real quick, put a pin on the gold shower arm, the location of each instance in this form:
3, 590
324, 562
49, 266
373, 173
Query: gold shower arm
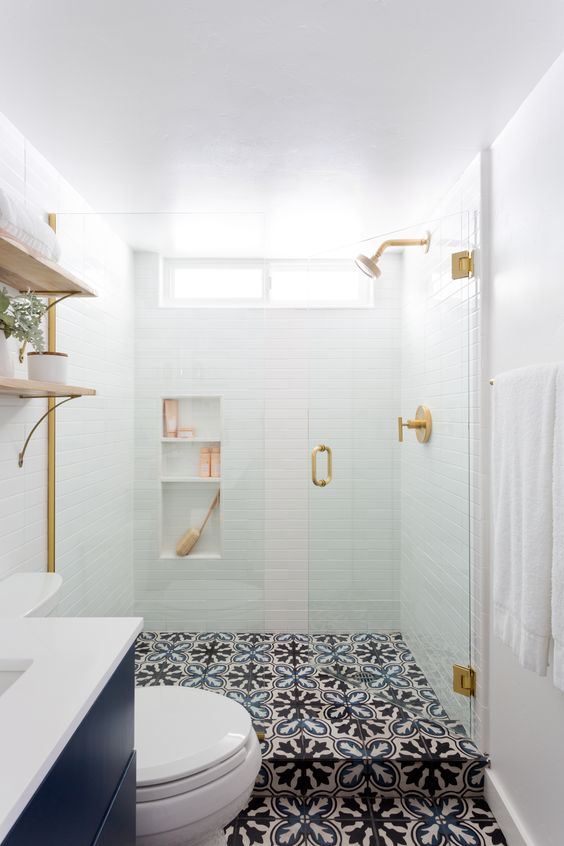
400, 242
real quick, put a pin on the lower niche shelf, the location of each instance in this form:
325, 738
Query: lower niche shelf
170, 555
184, 506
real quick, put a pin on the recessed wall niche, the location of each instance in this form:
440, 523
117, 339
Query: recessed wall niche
190, 473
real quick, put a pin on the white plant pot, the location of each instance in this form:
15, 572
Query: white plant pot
47, 367
6, 360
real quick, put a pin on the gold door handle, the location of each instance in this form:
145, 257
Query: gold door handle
423, 424
321, 483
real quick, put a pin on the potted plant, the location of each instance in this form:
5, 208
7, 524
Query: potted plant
20, 318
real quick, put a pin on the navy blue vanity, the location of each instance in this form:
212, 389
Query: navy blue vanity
88, 796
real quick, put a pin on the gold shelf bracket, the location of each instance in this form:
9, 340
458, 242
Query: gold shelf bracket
51, 408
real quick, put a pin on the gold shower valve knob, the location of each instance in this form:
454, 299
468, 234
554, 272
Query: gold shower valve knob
423, 425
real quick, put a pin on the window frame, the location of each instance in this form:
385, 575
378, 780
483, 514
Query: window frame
365, 298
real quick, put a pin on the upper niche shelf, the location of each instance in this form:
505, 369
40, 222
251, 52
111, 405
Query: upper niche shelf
29, 388
22, 270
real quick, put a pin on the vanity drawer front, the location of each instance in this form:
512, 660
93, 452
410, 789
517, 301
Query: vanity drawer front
118, 828
73, 799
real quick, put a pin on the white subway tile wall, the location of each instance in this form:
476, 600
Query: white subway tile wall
94, 434
293, 555
440, 480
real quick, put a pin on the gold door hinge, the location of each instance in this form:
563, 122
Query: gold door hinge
463, 680
462, 264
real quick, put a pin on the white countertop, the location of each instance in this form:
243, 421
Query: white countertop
72, 659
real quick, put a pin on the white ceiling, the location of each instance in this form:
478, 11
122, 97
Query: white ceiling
327, 120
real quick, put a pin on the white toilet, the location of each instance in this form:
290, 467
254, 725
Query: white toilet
197, 753
197, 760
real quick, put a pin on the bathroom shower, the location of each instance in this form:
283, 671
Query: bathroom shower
370, 265
334, 563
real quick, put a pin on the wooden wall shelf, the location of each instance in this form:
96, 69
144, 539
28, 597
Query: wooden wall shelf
22, 270
29, 388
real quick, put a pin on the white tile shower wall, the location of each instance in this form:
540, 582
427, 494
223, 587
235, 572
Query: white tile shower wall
95, 434
289, 378
440, 518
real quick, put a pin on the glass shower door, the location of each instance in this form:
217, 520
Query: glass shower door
354, 519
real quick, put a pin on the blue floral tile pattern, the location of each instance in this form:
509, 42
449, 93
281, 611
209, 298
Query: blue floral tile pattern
387, 676
352, 703
323, 820
210, 676
291, 675
249, 651
166, 650
333, 653
256, 703
345, 716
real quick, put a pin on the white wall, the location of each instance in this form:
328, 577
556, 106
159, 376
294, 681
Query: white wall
527, 326
439, 480
94, 435
289, 378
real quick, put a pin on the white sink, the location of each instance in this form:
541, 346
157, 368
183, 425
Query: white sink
28, 595
11, 671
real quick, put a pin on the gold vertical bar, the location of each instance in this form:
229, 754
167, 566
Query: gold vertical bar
51, 431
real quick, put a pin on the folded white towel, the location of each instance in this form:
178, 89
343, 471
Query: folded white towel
558, 535
18, 223
523, 435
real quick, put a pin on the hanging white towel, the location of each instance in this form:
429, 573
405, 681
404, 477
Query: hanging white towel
558, 535
523, 436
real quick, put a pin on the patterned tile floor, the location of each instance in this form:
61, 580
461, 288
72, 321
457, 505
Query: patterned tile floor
373, 760
320, 820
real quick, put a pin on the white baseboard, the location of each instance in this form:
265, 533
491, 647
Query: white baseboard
505, 813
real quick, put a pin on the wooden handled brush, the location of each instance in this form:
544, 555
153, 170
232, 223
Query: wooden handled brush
192, 536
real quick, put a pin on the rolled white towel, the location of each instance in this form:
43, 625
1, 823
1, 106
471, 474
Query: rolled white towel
21, 225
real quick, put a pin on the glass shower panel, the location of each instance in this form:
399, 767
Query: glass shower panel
440, 359
389, 556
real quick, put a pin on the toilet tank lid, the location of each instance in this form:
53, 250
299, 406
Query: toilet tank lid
180, 731
28, 594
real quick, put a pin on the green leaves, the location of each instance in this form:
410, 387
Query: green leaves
4, 301
21, 317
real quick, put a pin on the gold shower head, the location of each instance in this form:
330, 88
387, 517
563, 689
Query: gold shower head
370, 267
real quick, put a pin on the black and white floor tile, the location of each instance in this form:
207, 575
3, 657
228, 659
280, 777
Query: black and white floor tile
357, 749
324, 820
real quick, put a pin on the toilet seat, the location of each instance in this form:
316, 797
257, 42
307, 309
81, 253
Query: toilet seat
186, 738
198, 759
152, 792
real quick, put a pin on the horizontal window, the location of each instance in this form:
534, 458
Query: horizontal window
217, 283
284, 284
